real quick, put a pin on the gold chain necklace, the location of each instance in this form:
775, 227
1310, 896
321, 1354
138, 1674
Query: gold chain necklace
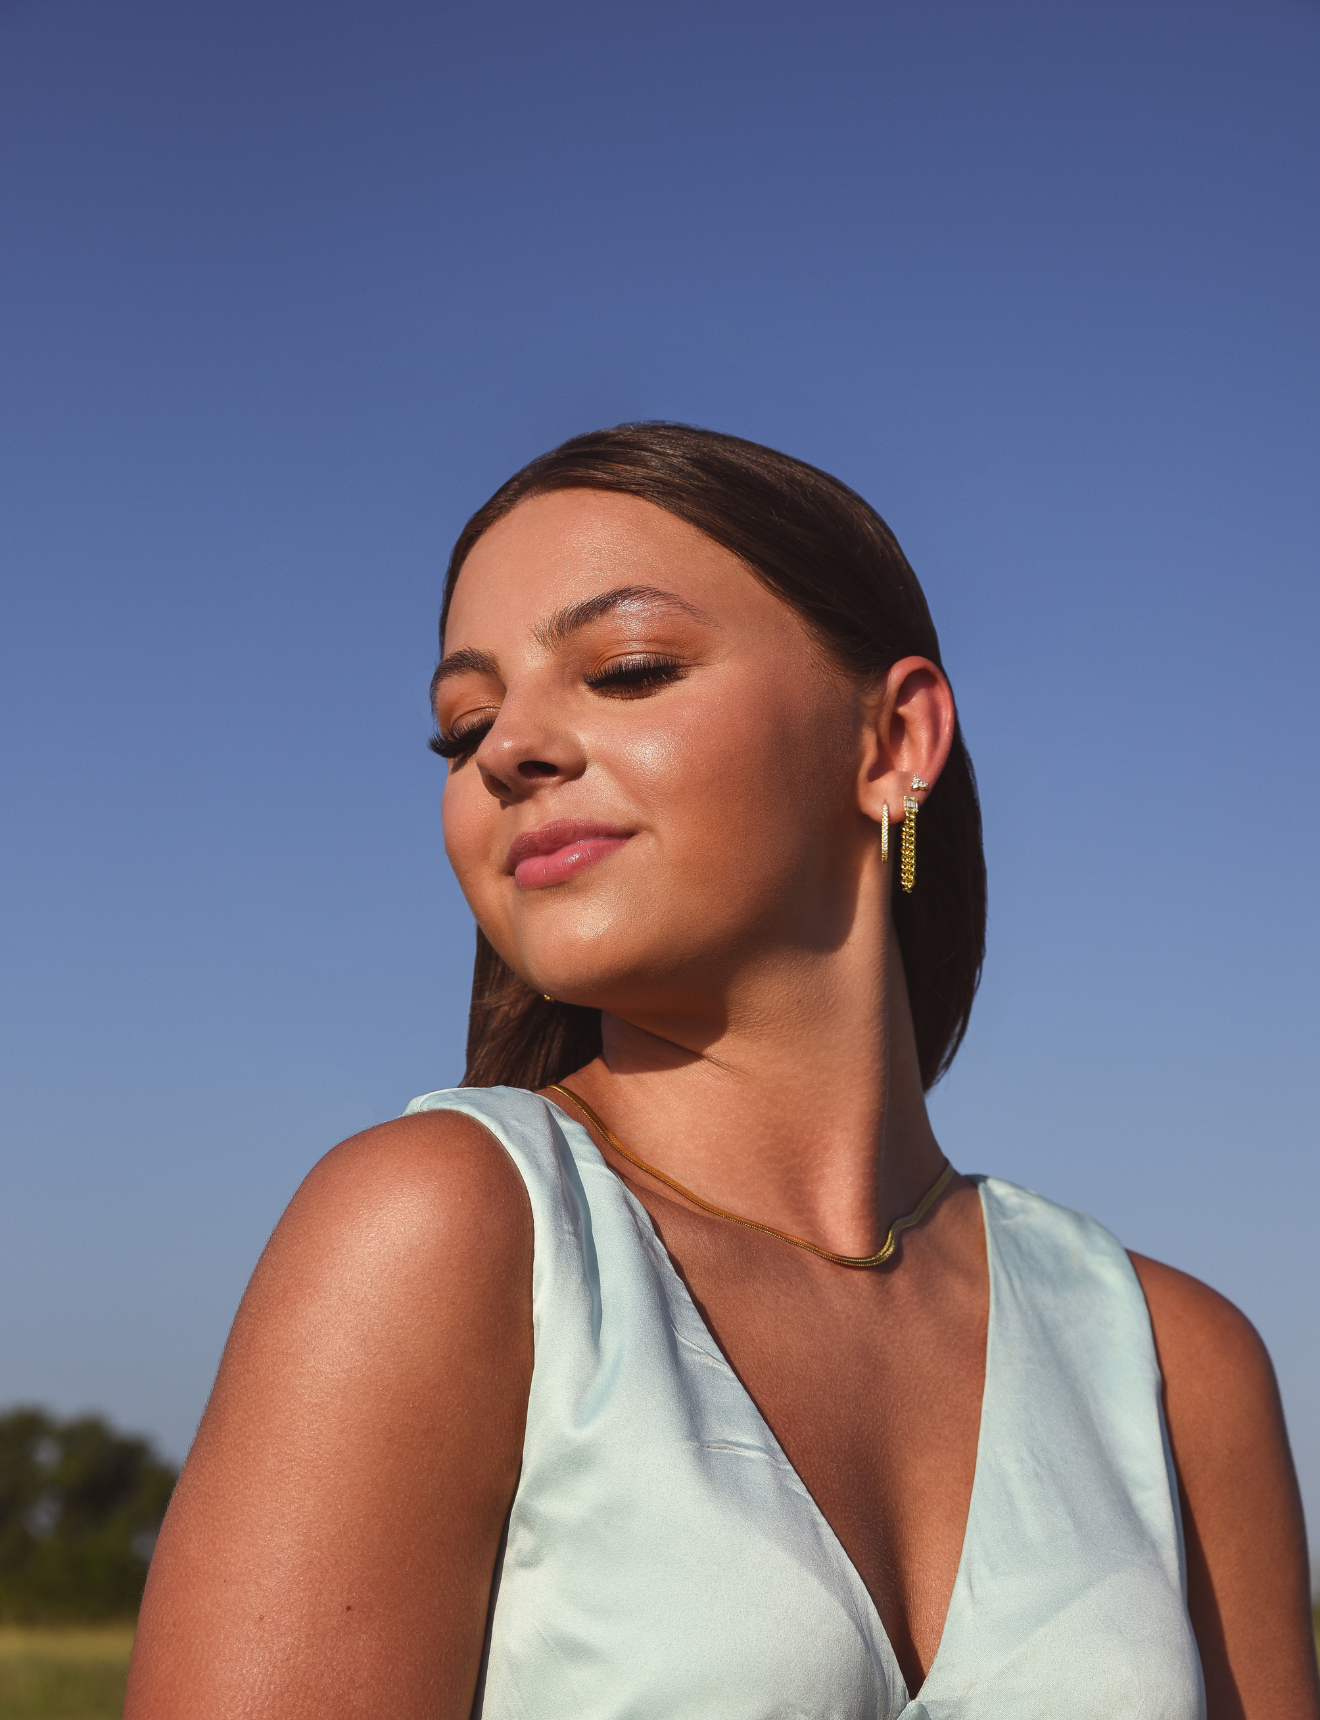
883, 1253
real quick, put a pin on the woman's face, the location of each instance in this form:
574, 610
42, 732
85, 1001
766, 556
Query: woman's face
654, 782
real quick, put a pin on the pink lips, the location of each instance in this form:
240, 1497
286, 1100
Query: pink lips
559, 850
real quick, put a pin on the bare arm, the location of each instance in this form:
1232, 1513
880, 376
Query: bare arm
330, 1546
1248, 1589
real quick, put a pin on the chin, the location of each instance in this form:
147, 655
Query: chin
600, 973
598, 958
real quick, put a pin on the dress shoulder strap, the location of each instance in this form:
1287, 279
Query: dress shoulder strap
521, 1121
529, 1128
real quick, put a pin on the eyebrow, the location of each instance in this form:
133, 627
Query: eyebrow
464, 662
556, 629
567, 621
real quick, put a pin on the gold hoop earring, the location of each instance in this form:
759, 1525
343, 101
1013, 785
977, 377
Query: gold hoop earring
546, 995
908, 856
884, 834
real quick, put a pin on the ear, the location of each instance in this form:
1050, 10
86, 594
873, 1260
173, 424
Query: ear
909, 718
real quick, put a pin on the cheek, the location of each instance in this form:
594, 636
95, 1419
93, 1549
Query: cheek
465, 820
764, 758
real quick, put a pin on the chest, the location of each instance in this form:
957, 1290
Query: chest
665, 1557
872, 1383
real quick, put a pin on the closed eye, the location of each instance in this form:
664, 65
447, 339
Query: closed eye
461, 746
635, 677
624, 678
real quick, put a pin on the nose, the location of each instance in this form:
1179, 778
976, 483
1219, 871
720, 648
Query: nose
526, 752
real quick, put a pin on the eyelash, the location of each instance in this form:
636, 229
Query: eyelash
635, 676
629, 678
463, 744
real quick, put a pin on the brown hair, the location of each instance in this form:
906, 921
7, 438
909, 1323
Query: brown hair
818, 546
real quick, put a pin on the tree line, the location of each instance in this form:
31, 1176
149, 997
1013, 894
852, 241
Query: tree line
80, 1507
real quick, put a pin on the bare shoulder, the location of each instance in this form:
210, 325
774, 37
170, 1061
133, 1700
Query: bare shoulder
1207, 1347
401, 1266
1247, 1578
443, 1152
436, 1181
1220, 1396
330, 1545
421, 1219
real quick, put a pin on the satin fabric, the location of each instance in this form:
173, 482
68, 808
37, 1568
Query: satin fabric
662, 1557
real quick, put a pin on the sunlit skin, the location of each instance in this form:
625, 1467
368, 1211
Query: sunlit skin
746, 918
613, 678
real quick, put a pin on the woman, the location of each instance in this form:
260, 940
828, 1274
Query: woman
666, 1368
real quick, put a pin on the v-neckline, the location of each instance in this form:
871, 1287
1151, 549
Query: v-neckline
982, 1460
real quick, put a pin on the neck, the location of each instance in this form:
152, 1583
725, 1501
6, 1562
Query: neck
802, 1108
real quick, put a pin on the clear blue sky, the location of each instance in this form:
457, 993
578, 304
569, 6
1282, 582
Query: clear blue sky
288, 288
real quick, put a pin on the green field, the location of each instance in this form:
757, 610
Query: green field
74, 1673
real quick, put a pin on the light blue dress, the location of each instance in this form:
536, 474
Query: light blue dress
663, 1561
